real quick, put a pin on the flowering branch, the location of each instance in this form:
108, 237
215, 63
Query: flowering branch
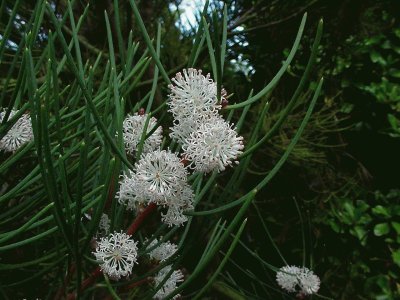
130, 231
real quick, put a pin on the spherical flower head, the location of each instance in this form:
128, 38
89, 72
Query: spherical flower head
303, 280
309, 282
133, 128
19, 134
116, 254
170, 285
163, 251
213, 146
158, 176
177, 205
193, 94
287, 278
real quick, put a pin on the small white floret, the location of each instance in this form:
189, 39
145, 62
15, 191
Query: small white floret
159, 177
170, 285
296, 279
309, 282
163, 251
213, 146
116, 254
18, 135
193, 94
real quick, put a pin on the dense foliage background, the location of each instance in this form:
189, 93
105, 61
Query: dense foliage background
337, 199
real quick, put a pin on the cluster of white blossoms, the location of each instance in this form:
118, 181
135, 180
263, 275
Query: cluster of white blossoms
116, 254
161, 253
159, 177
296, 279
170, 285
213, 145
133, 128
19, 134
193, 96
208, 141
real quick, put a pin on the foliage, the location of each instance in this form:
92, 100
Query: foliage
370, 225
56, 188
371, 65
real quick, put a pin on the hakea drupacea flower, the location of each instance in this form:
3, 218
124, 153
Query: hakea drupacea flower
296, 279
209, 142
193, 94
133, 128
192, 101
116, 254
309, 282
213, 146
163, 251
18, 135
159, 177
170, 285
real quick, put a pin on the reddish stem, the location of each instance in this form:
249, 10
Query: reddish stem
140, 218
61, 290
91, 279
87, 282
131, 230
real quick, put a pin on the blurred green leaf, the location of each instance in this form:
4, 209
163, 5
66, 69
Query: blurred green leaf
381, 229
396, 257
396, 226
381, 211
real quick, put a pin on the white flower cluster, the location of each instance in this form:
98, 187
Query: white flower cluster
133, 128
170, 285
193, 96
161, 178
303, 280
161, 253
213, 145
116, 254
19, 134
208, 141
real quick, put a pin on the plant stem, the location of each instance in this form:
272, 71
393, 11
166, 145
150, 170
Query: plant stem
140, 218
131, 230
